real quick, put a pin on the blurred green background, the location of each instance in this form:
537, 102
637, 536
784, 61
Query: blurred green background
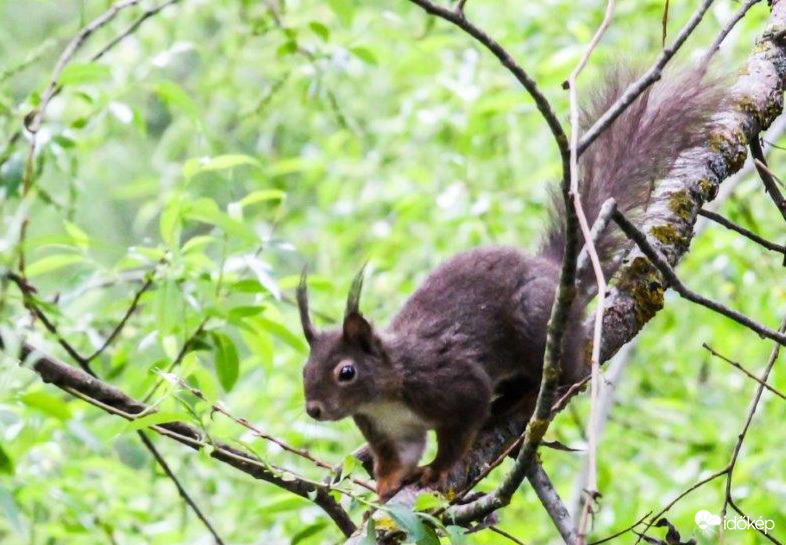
242, 145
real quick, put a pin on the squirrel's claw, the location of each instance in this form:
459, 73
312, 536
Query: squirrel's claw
430, 476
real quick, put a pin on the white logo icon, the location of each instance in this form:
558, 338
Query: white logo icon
706, 520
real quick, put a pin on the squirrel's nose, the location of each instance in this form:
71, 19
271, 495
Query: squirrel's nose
314, 409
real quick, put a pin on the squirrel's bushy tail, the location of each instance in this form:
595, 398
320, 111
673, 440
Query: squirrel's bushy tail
633, 153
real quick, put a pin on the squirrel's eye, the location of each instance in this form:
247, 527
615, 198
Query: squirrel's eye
346, 373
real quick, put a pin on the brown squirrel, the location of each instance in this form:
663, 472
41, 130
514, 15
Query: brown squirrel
469, 343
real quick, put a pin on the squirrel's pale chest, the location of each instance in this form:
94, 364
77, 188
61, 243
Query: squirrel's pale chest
401, 427
394, 419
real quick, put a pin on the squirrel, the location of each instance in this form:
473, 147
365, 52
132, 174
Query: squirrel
467, 346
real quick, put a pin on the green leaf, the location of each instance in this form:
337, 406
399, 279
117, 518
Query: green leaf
13, 514
364, 54
47, 404
430, 538
205, 382
227, 363
79, 237
169, 224
287, 48
198, 243
349, 465
320, 30
52, 263
206, 210
456, 535
84, 73
245, 311
308, 531
344, 9
426, 501
282, 332
262, 195
408, 521
176, 98
153, 419
192, 167
6, 463
12, 174
167, 304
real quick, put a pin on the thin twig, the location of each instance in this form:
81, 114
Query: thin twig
660, 262
145, 15
74, 380
767, 176
695, 486
598, 228
28, 291
33, 119
180, 489
751, 412
664, 24
28, 296
178, 359
641, 84
597, 268
123, 321
506, 535
553, 504
741, 368
621, 532
717, 218
736, 18
565, 295
222, 409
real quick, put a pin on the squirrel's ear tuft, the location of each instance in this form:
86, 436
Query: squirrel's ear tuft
357, 330
302, 304
353, 299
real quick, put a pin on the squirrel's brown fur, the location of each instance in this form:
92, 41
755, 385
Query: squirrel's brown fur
469, 342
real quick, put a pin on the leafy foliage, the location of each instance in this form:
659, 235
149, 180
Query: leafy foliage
225, 144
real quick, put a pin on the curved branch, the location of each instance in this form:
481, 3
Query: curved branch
78, 382
756, 99
458, 18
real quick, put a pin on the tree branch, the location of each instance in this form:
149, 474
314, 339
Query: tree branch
657, 259
640, 85
73, 380
717, 218
767, 177
755, 100
180, 489
739, 366
553, 504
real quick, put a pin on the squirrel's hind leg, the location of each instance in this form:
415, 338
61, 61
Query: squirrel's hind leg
453, 442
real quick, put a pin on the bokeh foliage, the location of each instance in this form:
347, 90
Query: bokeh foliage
220, 148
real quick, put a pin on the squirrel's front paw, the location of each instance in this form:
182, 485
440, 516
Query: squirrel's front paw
387, 486
435, 477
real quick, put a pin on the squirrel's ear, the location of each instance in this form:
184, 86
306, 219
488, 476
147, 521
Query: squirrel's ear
353, 298
302, 304
358, 330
